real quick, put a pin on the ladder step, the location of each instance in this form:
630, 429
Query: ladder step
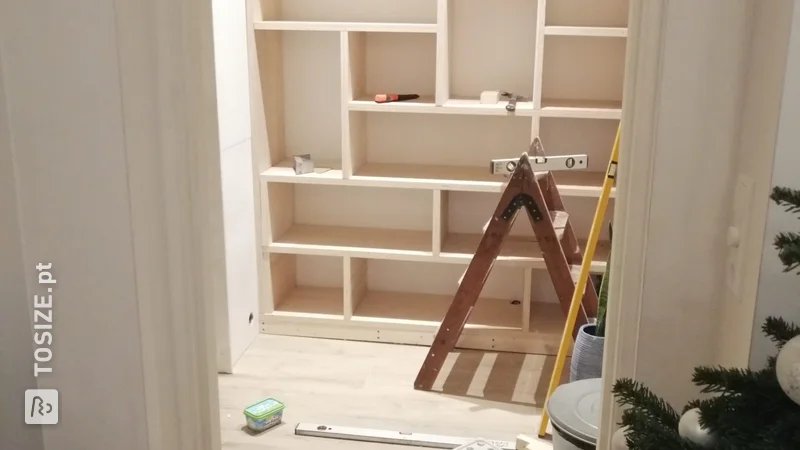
540, 175
575, 271
560, 220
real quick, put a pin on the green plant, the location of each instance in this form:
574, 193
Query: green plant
602, 298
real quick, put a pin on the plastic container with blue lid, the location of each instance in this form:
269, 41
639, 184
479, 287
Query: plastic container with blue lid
264, 415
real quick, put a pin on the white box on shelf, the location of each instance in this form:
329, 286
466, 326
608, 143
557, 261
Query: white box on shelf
490, 97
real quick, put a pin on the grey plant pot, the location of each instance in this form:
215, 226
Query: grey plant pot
587, 356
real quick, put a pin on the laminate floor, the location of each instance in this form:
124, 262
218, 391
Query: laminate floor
369, 385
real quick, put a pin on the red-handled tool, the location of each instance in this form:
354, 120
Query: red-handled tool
388, 98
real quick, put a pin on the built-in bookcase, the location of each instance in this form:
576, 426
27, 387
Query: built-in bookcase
372, 244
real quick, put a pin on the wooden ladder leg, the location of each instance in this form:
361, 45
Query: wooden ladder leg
572, 249
471, 285
550, 243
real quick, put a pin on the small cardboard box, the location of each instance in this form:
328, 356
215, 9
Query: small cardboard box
303, 164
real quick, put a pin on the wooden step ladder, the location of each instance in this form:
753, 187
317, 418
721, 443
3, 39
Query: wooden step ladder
536, 193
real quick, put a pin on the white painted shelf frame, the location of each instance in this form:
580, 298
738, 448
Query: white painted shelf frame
371, 245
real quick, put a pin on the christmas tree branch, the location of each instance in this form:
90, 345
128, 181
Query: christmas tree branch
789, 198
788, 246
724, 380
632, 393
788, 243
779, 331
696, 403
647, 433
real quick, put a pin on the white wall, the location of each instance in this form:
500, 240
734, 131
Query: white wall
15, 320
689, 73
62, 80
763, 88
109, 171
705, 48
779, 292
234, 329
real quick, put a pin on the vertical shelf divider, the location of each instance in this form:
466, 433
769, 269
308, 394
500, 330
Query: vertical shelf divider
355, 284
353, 74
538, 69
346, 96
440, 216
527, 286
442, 52
261, 157
266, 299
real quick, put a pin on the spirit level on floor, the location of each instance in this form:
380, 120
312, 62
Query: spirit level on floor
390, 437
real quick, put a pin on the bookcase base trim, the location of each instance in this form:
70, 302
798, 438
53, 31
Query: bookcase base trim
515, 341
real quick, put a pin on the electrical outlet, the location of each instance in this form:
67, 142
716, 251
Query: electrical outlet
738, 230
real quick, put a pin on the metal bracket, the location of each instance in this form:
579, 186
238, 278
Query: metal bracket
506, 166
520, 201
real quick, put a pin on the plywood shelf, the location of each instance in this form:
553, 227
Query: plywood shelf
613, 32
306, 286
288, 25
418, 176
359, 11
428, 310
405, 245
581, 109
521, 251
312, 302
371, 244
353, 241
376, 304
425, 104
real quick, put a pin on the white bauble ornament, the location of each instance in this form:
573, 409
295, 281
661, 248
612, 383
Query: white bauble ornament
618, 441
689, 428
787, 368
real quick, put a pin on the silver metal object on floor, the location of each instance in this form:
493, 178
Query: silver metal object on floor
394, 437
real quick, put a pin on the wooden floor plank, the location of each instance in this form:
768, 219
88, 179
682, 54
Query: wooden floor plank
364, 384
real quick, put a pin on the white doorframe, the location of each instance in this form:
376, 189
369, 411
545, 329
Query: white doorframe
166, 48
632, 202
687, 65
182, 354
